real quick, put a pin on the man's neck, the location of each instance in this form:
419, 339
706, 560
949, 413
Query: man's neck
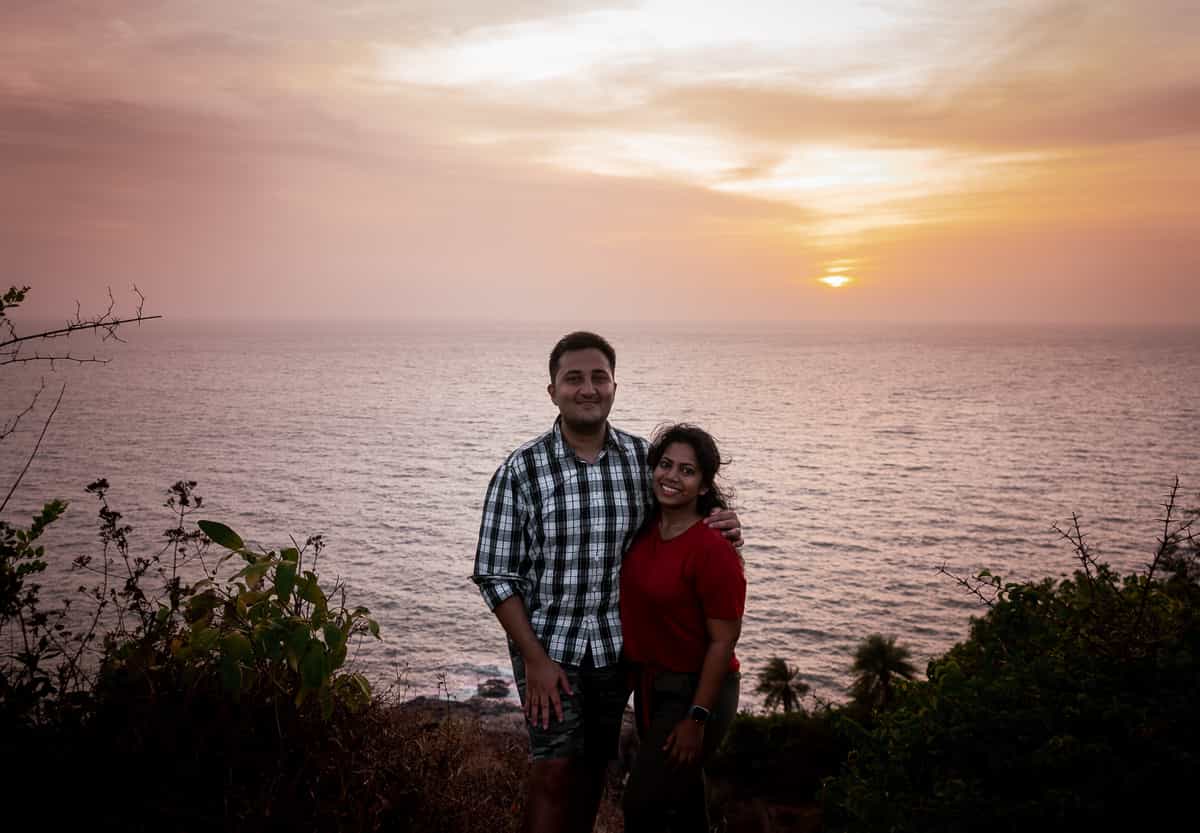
587, 443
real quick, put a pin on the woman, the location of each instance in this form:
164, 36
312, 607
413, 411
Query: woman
683, 593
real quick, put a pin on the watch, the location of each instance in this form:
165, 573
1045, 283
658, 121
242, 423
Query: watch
699, 714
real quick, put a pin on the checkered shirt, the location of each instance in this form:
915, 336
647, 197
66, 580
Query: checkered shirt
553, 532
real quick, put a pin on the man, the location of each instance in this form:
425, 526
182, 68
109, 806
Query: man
558, 515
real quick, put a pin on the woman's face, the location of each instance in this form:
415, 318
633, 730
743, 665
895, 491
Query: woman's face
678, 480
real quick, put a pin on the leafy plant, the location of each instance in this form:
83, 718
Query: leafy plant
31, 638
272, 624
878, 663
781, 685
1070, 705
782, 756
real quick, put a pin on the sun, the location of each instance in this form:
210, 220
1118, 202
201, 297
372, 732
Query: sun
836, 281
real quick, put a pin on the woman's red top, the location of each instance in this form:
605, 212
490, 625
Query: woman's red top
668, 589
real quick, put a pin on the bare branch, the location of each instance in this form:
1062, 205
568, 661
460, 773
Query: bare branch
36, 446
106, 324
1091, 566
37, 357
973, 589
1165, 545
79, 325
11, 425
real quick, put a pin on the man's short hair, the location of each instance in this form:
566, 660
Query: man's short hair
581, 340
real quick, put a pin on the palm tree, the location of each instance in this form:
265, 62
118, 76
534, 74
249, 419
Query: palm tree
781, 684
877, 663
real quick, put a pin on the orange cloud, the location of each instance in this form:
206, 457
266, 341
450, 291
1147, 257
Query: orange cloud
235, 161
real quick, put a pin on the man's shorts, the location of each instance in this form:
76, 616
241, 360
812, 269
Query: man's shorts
591, 724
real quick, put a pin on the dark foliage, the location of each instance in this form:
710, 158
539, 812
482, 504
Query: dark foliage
1072, 705
783, 756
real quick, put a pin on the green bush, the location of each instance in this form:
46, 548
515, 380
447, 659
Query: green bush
1071, 703
781, 756
224, 700
269, 629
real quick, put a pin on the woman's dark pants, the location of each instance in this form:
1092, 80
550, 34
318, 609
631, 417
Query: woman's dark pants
661, 795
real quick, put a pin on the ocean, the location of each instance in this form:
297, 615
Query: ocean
863, 458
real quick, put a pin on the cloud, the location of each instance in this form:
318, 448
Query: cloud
213, 216
239, 159
1005, 118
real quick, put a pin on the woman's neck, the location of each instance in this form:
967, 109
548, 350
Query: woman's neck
675, 520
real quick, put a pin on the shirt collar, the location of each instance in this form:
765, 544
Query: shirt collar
562, 449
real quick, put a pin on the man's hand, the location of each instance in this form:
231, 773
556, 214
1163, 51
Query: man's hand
726, 521
543, 678
685, 743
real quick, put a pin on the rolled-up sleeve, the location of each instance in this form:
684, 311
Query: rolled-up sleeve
501, 549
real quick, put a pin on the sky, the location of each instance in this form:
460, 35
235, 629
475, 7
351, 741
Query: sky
891, 160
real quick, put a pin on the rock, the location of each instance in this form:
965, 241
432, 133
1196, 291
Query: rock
495, 687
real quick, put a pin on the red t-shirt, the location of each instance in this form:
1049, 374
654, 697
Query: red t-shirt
668, 589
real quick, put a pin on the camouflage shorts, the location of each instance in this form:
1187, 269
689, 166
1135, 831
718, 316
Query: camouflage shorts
591, 724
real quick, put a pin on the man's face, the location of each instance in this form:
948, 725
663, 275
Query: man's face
583, 389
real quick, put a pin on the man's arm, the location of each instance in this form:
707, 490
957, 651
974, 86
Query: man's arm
501, 575
543, 676
726, 522
501, 547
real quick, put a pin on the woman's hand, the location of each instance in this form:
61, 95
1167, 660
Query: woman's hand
685, 743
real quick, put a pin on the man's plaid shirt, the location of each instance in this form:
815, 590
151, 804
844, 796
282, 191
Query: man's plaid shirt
553, 532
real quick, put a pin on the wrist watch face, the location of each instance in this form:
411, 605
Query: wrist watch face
698, 714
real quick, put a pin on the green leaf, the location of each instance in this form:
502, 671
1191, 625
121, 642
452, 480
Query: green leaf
236, 646
289, 554
310, 591
250, 598
297, 638
221, 535
200, 607
335, 637
285, 579
255, 572
314, 668
204, 639
374, 627
337, 656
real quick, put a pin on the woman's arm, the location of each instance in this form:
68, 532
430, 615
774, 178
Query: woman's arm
686, 741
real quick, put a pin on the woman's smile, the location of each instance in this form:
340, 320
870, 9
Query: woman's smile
677, 478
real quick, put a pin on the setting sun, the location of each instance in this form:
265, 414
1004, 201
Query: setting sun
836, 281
